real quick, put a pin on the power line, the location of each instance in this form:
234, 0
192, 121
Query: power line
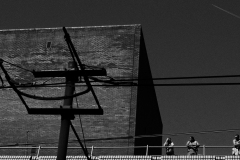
115, 82
129, 82
166, 134
141, 136
79, 141
115, 85
17, 66
175, 78
81, 123
136, 79
226, 11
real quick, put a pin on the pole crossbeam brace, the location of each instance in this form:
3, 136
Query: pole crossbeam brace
67, 111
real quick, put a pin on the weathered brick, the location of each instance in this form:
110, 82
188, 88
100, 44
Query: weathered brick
116, 48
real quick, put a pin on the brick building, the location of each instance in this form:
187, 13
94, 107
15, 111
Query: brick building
129, 111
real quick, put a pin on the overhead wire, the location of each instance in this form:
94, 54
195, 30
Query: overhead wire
20, 93
83, 148
166, 134
176, 78
141, 136
105, 85
28, 71
116, 82
81, 124
119, 80
167, 78
17, 66
129, 83
226, 11
47, 98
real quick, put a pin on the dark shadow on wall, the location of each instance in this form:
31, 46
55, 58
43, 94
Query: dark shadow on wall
148, 118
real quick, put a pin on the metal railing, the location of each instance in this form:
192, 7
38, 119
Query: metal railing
92, 148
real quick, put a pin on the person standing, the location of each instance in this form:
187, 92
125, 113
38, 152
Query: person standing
192, 146
236, 144
169, 146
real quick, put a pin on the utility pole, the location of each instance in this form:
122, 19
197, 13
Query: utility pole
65, 120
67, 112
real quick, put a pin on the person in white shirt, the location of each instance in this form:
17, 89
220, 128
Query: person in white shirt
192, 146
236, 144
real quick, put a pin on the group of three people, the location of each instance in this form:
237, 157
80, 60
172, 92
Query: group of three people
193, 145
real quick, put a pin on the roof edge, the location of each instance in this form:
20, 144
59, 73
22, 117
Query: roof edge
106, 26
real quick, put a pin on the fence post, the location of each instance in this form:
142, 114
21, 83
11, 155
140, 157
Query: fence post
147, 150
38, 151
204, 152
92, 151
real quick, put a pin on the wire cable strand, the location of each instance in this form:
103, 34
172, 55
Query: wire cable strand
166, 134
176, 78
84, 149
17, 66
20, 93
226, 11
81, 124
136, 79
114, 85
140, 136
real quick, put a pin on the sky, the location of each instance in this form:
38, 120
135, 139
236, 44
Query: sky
183, 38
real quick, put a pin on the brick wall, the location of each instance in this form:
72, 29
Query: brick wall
116, 48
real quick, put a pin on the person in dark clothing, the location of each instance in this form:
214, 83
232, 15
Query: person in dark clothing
169, 146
